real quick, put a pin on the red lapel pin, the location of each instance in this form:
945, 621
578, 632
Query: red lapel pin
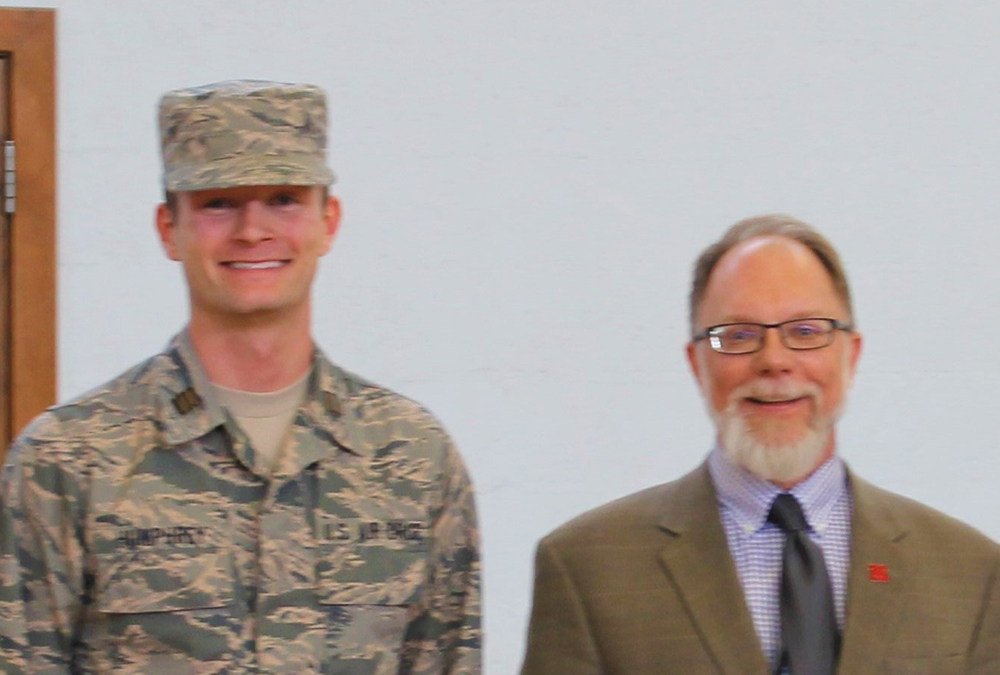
878, 573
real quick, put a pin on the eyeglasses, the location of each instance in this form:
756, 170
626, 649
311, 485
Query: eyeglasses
746, 338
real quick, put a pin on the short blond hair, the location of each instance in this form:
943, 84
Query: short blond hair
775, 225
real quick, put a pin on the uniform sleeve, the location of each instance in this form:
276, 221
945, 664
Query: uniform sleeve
445, 638
559, 638
41, 579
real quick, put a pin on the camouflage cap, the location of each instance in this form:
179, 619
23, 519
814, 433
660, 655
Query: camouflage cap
244, 132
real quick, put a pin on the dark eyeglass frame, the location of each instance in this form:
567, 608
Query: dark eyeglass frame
712, 333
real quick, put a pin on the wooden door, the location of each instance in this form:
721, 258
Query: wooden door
27, 234
5, 432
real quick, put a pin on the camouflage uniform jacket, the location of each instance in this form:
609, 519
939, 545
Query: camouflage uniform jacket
139, 535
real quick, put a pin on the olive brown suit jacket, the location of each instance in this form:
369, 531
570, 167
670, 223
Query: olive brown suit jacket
646, 585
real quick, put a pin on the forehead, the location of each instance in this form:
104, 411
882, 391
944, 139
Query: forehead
250, 191
769, 279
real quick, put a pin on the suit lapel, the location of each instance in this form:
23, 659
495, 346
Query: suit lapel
873, 603
699, 565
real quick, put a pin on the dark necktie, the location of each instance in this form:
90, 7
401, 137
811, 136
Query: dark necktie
809, 633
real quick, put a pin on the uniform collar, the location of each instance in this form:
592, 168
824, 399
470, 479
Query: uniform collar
189, 408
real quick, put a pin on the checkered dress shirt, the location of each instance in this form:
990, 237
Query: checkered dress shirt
756, 545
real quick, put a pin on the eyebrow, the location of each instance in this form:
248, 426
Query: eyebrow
743, 318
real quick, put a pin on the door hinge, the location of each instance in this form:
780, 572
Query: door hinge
9, 177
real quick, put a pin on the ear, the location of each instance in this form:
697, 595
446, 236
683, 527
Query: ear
854, 351
692, 358
166, 228
331, 218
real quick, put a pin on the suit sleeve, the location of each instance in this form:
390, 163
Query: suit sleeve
445, 637
41, 579
984, 656
560, 641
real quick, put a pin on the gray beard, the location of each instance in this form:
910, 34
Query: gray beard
771, 459
774, 462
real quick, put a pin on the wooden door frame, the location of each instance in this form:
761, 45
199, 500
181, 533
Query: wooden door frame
28, 36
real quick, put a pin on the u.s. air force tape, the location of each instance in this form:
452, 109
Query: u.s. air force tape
361, 530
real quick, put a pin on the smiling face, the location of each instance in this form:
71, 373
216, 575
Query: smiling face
774, 409
249, 252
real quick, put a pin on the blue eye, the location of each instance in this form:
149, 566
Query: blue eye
811, 333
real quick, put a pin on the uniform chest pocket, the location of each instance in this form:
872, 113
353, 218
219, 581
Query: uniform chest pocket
162, 569
164, 595
369, 574
371, 562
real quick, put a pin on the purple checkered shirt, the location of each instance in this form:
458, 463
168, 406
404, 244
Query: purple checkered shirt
756, 545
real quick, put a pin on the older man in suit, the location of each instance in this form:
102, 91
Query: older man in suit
771, 557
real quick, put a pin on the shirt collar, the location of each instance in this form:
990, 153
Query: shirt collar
749, 498
334, 409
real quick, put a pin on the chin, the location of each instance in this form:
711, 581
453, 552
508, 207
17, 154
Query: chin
260, 303
770, 455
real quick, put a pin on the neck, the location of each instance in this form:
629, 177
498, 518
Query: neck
251, 355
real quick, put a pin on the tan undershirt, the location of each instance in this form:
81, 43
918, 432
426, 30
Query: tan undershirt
265, 417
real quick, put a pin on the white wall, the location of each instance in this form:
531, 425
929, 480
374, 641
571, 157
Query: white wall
526, 186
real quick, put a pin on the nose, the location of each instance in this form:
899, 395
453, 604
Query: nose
773, 358
252, 222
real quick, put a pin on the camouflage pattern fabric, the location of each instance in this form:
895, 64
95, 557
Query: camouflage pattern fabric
140, 534
243, 132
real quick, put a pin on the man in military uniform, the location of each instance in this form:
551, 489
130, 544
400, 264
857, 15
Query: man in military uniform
238, 503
